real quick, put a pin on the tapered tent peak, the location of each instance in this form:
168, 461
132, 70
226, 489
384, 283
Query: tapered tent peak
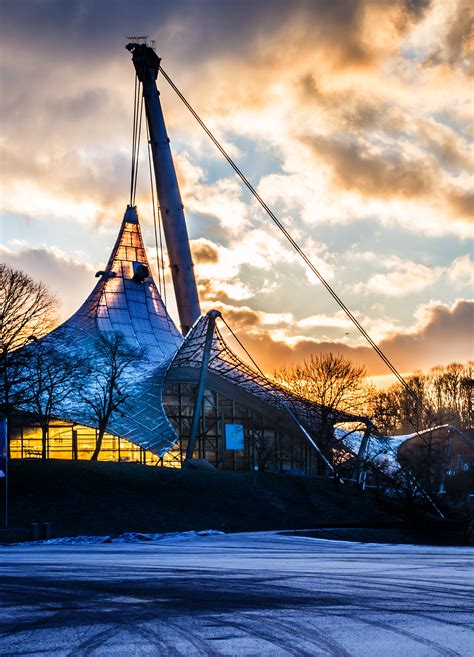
126, 299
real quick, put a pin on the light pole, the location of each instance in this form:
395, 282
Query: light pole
4, 433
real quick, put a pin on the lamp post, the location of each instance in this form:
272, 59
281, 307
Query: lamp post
4, 433
4, 461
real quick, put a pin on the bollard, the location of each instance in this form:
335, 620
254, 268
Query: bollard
47, 530
34, 531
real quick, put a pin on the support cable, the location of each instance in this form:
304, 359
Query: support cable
137, 149
137, 122
134, 131
307, 261
162, 258
242, 347
152, 186
291, 240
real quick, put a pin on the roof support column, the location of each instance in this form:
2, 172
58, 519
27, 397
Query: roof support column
360, 473
211, 323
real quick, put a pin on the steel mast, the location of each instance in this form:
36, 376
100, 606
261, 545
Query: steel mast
147, 64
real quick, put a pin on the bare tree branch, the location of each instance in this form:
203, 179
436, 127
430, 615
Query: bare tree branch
107, 392
27, 311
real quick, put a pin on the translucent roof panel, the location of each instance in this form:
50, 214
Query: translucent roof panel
225, 363
123, 303
120, 300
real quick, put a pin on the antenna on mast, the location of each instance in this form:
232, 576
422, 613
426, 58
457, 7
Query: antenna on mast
143, 39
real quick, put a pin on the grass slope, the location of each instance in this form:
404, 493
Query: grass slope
83, 497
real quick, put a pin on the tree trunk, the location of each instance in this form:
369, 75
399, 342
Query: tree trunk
74, 444
98, 444
44, 442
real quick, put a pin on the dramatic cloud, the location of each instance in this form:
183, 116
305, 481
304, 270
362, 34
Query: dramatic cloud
384, 173
378, 174
353, 119
456, 46
204, 251
404, 278
71, 281
442, 335
462, 203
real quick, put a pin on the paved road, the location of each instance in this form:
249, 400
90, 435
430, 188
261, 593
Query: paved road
242, 594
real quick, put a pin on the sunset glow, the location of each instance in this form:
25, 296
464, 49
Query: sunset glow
353, 119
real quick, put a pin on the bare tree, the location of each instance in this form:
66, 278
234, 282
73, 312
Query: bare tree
53, 375
451, 392
443, 396
427, 457
265, 448
385, 411
27, 310
332, 381
110, 365
467, 385
415, 411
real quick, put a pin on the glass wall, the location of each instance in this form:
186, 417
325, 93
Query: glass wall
72, 441
268, 442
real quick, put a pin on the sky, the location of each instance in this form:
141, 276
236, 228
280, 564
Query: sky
353, 119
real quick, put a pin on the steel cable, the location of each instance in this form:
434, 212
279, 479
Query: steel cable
308, 262
294, 244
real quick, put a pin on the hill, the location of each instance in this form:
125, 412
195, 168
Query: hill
84, 497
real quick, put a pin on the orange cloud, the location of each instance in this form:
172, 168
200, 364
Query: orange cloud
443, 335
204, 251
382, 174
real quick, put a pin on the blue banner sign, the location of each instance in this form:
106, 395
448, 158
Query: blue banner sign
234, 436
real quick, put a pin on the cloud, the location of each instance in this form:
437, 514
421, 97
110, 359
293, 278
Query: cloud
356, 165
383, 174
456, 46
386, 148
405, 278
442, 335
204, 251
87, 116
339, 320
461, 272
69, 279
462, 203
220, 201
450, 148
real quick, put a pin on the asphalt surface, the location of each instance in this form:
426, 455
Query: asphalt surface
242, 594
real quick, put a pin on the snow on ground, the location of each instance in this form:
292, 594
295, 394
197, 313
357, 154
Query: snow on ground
128, 537
259, 594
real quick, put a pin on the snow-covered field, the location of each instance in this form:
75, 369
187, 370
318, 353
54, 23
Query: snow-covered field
242, 594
